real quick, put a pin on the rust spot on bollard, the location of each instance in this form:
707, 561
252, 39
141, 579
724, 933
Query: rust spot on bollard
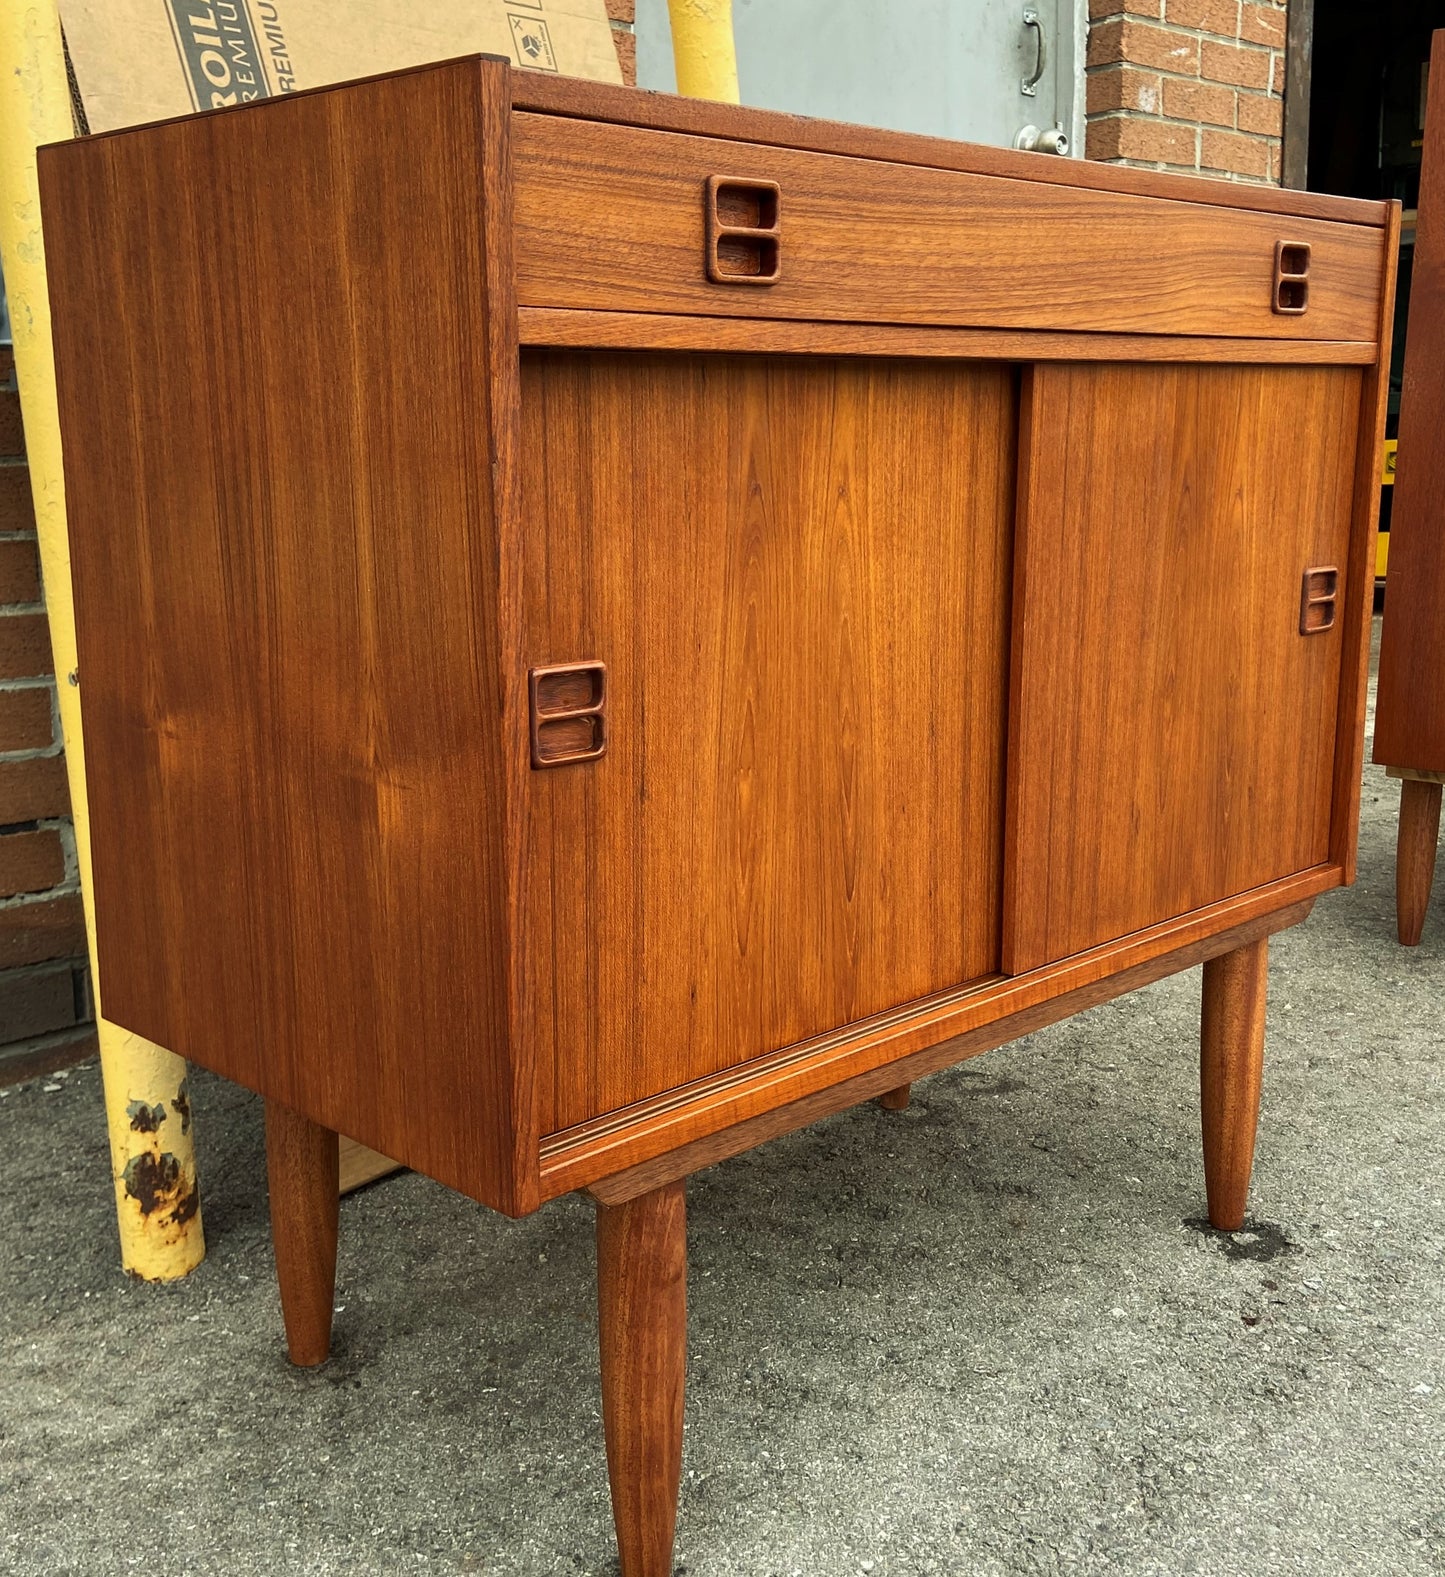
144, 1118
182, 1105
186, 1207
150, 1179
156, 1185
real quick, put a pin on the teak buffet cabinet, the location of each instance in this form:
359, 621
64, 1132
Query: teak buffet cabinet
612, 627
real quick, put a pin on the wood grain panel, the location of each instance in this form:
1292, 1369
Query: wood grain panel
303, 1177
612, 217
1410, 706
725, 1117
600, 101
1172, 733
1231, 1067
579, 330
1415, 850
1357, 602
797, 575
280, 441
642, 1341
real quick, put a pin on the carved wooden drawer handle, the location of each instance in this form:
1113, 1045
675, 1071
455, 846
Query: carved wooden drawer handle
744, 233
1317, 599
568, 710
1291, 278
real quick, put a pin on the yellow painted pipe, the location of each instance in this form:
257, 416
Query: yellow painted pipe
703, 49
152, 1148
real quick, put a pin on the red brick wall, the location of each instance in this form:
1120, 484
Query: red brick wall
624, 14
45, 1005
1194, 85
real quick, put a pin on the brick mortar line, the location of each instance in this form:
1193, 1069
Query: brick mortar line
1150, 117
1213, 171
48, 966
1193, 78
1165, 26
33, 753
1157, 164
52, 1037
1267, 94
1199, 37
1098, 117
1159, 118
62, 889
60, 824
13, 1050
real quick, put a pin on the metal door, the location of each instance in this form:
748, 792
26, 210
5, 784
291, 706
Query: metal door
976, 70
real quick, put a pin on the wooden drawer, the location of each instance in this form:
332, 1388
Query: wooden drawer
613, 217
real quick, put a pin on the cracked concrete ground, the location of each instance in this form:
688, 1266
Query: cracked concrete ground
984, 1336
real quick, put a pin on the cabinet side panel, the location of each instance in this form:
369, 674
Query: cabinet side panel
1360, 592
272, 338
1410, 714
1173, 731
796, 572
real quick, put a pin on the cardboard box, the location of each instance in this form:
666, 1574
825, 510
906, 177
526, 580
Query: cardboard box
143, 60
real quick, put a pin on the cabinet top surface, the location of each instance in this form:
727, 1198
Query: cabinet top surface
581, 99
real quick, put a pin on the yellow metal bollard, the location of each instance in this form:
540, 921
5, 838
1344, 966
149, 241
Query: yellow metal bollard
703, 49
152, 1147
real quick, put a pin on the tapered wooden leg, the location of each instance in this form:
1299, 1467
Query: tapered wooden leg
1415, 856
642, 1305
896, 1100
1231, 1057
302, 1168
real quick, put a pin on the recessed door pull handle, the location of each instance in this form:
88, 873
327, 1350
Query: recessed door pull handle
1030, 85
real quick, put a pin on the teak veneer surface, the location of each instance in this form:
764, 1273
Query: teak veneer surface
326, 515
649, 1164
1231, 1064
910, 1041
1415, 851
585, 329
578, 98
287, 601
597, 101
612, 216
642, 1341
945, 645
1172, 737
1410, 705
1358, 576
799, 819
303, 1177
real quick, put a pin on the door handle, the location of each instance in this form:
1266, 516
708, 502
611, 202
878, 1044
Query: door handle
1030, 85
1031, 140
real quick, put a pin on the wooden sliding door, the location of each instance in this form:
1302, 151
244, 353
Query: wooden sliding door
1175, 670
796, 573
